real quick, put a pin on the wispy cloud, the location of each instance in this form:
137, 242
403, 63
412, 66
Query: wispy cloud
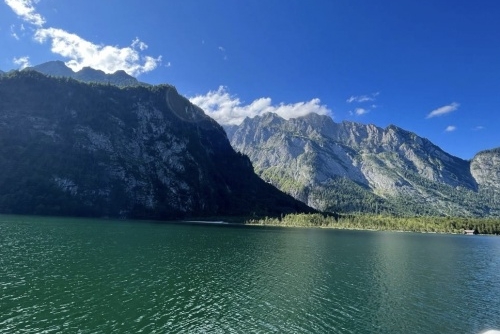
223, 50
228, 109
13, 32
22, 62
136, 43
450, 128
80, 52
478, 128
363, 98
26, 10
17, 32
443, 110
359, 111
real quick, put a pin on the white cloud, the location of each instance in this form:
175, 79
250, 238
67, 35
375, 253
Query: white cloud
23, 62
228, 109
26, 10
137, 43
363, 98
479, 128
106, 58
82, 53
13, 32
450, 128
361, 111
443, 110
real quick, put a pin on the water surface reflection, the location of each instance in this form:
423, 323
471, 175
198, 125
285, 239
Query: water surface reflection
92, 276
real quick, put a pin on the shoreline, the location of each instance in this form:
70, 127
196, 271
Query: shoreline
433, 225
362, 229
352, 229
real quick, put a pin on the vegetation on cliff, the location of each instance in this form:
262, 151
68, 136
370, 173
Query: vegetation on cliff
70, 148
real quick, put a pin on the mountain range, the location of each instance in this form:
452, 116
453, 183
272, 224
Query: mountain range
138, 150
95, 149
348, 166
87, 74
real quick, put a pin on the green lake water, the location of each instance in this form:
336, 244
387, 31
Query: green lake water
96, 276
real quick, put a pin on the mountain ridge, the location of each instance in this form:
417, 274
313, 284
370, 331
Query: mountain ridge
58, 68
89, 149
394, 170
341, 167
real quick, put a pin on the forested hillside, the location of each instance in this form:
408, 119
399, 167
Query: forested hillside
72, 148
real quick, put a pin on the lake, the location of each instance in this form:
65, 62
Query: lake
97, 276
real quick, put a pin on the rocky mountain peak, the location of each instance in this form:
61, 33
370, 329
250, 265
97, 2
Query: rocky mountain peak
87, 74
268, 119
313, 124
55, 68
485, 167
309, 156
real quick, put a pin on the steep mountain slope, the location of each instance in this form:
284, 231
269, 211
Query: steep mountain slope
355, 167
485, 167
86, 74
72, 148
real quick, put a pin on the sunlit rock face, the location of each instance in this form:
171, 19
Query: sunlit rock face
351, 166
73, 148
485, 167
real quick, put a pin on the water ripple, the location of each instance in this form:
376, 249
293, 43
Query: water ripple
113, 277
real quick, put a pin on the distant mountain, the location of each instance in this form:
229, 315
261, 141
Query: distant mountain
86, 74
350, 167
230, 130
54, 68
71, 148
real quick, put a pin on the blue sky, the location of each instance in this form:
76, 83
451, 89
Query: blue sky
429, 66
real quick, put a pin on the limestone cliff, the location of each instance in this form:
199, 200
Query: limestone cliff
485, 167
361, 167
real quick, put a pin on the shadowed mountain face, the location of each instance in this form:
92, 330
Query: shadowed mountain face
71, 148
356, 167
87, 74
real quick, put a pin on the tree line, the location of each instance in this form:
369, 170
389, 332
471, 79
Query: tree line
385, 223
